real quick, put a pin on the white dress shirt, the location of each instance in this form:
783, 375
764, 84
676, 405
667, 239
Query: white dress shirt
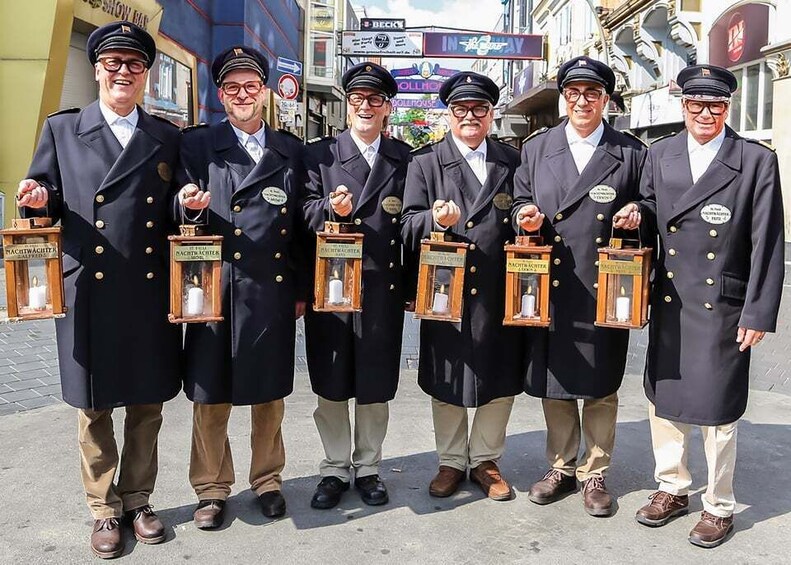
253, 143
368, 151
476, 158
123, 127
582, 148
701, 156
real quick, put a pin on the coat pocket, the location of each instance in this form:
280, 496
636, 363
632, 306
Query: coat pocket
733, 287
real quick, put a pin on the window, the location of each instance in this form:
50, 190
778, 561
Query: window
168, 92
322, 47
564, 25
751, 104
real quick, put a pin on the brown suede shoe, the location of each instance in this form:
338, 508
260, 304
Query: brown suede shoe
106, 539
662, 508
209, 514
446, 481
487, 476
552, 487
711, 531
596, 499
146, 524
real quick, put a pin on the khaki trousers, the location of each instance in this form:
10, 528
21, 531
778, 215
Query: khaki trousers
334, 425
563, 435
211, 463
671, 447
99, 459
460, 449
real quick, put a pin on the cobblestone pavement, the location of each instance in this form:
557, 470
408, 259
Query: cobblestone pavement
29, 376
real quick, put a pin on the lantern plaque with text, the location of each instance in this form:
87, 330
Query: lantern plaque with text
195, 276
34, 269
623, 285
527, 282
339, 267
440, 281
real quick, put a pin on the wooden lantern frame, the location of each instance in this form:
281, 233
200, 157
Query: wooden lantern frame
338, 240
519, 262
623, 258
193, 244
16, 257
439, 251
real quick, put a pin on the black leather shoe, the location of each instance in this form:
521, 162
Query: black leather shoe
273, 505
372, 490
328, 493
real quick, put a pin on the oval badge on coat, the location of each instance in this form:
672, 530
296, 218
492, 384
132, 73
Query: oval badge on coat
716, 214
274, 195
392, 205
503, 200
602, 193
164, 171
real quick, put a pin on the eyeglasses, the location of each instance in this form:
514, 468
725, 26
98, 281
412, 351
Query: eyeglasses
591, 95
374, 100
715, 108
479, 111
252, 87
113, 65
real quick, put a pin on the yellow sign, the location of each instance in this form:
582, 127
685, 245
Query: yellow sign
322, 19
442, 259
31, 251
539, 266
629, 268
341, 250
198, 253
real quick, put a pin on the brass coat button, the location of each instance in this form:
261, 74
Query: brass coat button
99, 275
600, 217
150, 199
671, 252
470, 224
393, 220
100, 198
556, 283
237, 255
670, 274
391, 265
474, 291
673, 229
599, 240
278, 255
472, 247
595, 285
558, 239
505, 220
710, 282
392, 242
279, 278
237, 231
556, 261
710, 256
149, 224
713, 233
392, 287
284, 231
558, 216
237, 208
473, 269
99, 249
284, 210
149, 250
708, 306
149, 275
99, 224
357, 221
668, 299
596, 263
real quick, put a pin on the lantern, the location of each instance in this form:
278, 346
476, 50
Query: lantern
440, 280
622, 298
195, 276
339, 266
34, 269
527, 282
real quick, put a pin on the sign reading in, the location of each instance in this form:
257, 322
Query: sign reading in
371, 24
382, 44
483, 45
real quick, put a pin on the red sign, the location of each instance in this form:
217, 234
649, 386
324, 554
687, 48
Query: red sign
735, 37
288, 87
739, 34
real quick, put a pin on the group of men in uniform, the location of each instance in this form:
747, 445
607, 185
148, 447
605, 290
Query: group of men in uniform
119, 180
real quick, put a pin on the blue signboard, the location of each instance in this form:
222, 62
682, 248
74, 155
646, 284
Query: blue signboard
483, 45
289, 66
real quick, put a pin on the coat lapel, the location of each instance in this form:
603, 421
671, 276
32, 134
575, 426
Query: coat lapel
226, 144
353, 162
605, 159
497, 173
95, 133
458, 172
273, 160
145, 142
384, 168
561, 164
676, 174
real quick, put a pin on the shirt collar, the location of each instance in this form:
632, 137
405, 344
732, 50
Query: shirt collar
362, 146
466, 151
243, 136
111, 117
713, 145
593, 139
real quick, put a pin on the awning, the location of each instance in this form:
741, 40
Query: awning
537, 99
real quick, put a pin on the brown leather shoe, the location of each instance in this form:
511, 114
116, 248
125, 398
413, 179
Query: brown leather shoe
662, 508
209, 514
106, 539
146, 524
711, 531
552, 487
446, 481
487, 476
596, 499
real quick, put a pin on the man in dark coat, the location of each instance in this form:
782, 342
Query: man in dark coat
358, 177
105, 173
246, 181
463, 185
577, 175
715, 202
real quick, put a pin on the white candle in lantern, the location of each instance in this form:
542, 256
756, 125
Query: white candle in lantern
440, 304
623, 307
336, 289
528, 304
37, 296
195, 299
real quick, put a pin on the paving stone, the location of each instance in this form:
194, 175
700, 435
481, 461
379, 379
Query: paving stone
24, 367
49, 390
10, 408
19, 395
39, 402
24, 385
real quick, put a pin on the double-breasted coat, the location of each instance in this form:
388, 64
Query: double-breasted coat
573, 358
719, 267
248, 358
358, 355
115, 344
477, 360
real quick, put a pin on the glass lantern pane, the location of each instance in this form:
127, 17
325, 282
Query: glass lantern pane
339, 282
32, 287
620, 290
442, 283
196, 293
526, 297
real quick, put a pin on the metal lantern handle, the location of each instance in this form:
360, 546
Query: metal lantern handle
639, 235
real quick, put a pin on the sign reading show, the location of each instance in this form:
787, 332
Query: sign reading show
483, 45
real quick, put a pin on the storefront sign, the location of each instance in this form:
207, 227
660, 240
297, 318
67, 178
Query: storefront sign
431, 103
418, 86
423, 70
382, 44
483, 45
655, 108
738, 35
118, 10
371, 24
322, 19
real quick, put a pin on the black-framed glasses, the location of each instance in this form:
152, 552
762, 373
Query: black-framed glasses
374, 100
479, 111
252, 87
697, 106
591, 94
114, 64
